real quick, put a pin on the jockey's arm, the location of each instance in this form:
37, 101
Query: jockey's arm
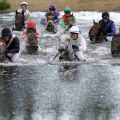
57, 17
61, 23
83, 45
27, 17
113, 30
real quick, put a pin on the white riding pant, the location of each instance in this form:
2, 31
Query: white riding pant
109, 38
80, 55
14, 57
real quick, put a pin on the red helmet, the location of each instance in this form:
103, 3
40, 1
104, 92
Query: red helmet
31, 24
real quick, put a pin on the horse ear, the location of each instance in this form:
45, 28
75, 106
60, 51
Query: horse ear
94, 21
16, 12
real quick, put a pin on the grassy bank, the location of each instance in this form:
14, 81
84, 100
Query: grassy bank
77, 5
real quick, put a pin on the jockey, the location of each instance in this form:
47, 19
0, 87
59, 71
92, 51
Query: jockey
108, 26
31, 27
12, 44
74, 42
25, 11
52, 11
64, 26
63, 21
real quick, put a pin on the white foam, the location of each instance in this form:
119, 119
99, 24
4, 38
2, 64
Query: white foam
50, 49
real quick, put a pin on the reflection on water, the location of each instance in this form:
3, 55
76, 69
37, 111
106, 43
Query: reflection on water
51, 92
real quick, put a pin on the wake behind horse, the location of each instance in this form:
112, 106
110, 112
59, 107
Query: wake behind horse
95, 34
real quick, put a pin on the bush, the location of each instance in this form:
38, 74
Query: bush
4, 5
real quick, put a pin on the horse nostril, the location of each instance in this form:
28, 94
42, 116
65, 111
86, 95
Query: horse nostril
91, 37
61, 58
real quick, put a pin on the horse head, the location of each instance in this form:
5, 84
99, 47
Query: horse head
94, 31
50, 26
19, 21
65, 54
70, 19
32, 43
50, 17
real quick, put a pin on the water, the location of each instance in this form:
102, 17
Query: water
39, 90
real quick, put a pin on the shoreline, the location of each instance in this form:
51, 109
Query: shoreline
8, 11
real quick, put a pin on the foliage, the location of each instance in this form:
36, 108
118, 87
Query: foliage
4, 5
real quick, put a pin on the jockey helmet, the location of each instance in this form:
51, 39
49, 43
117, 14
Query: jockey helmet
24, 3
31, 24
105, 14
6, 32
52, 7
67, 10
74, 29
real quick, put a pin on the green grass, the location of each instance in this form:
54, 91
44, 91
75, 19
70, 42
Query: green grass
4, 5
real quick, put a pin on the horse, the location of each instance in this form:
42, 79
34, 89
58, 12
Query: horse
2, 51
94, 34
50, 26
32, 43
19, 21
70, 22
66, 53
70, 19
115, 46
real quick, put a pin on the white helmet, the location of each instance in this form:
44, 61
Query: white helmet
74, 29
24, 3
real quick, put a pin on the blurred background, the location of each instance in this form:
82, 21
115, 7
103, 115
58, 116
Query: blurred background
76, 5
